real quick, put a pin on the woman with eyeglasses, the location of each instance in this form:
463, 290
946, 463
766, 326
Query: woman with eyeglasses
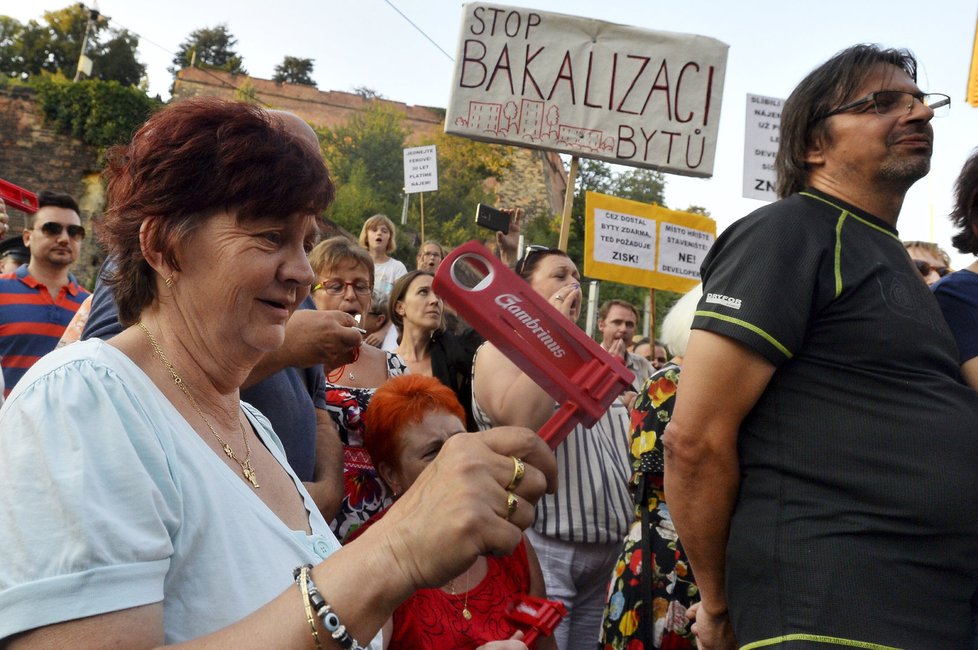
423, 342
578, 531
345, 277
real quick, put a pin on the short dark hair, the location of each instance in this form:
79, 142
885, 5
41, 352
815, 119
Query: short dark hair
965, 212
190, 161
50, 198
825, 88
615, 302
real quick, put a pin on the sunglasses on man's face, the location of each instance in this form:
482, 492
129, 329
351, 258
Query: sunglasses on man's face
54, 229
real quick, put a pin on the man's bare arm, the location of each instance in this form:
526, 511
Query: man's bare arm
721, 381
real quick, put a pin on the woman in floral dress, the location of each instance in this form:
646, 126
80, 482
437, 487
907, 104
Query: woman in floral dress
652, 584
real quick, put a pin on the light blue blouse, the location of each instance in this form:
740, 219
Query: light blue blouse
110, 500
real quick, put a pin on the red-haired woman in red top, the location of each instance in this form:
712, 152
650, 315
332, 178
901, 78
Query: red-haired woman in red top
409, 419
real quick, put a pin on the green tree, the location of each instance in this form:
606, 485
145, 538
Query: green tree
100, 113
33, 48
294, 70
115, 60
209, 47
366, 154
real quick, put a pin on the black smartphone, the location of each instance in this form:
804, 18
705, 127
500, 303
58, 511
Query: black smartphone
491, 218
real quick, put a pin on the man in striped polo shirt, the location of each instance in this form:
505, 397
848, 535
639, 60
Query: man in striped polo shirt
38, 300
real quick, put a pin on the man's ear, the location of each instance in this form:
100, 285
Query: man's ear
815, 151
390, 477
381, 320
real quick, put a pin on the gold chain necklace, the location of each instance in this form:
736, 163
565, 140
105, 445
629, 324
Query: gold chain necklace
466, 614
246, 469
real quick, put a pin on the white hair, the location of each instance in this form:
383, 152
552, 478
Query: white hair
676, 324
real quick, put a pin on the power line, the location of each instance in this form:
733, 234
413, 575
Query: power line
421, 31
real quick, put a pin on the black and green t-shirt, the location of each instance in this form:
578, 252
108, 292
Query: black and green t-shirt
857, 517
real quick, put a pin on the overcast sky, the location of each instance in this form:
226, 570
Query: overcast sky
773, 44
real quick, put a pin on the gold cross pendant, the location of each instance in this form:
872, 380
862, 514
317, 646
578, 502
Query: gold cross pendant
250, 475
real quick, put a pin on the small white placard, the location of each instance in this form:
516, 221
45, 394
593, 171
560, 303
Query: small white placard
420, 169
761, 135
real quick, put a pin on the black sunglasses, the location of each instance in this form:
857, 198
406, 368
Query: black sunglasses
54, 229
926, 268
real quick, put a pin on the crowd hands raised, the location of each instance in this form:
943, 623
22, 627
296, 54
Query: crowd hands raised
406, 502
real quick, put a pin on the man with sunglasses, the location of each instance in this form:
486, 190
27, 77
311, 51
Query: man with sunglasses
38, 299
821, 459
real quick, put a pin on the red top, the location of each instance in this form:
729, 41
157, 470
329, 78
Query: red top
432, 619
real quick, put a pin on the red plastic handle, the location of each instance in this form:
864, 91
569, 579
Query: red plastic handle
18, 197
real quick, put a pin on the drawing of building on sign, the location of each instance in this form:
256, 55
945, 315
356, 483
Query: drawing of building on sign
579, 137
531, 119
484, 116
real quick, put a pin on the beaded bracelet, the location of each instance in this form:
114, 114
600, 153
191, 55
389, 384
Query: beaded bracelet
331, 621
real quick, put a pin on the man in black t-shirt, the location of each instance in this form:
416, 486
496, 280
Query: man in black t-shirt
821, 461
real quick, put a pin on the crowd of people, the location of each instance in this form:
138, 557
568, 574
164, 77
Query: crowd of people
248, 436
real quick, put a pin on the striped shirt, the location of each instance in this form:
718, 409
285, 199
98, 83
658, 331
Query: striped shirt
592, 503
31, 321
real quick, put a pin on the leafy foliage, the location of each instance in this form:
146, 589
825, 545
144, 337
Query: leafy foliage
32, 49
209, 47
99, 113
294, 70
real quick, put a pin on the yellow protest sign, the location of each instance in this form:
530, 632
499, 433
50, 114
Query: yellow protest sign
644, 245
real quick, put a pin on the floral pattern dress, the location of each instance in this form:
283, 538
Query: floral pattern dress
364, 491
652, 567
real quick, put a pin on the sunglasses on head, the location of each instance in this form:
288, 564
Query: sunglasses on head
528, 252
54, 229
926, 268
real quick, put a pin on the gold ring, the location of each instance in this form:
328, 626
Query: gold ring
512, 503
519, 469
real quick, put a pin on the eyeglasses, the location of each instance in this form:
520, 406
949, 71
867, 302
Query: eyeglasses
338, 287
530, 250
898, 102
54, 229
926, 268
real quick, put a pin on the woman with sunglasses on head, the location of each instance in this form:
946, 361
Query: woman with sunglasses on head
345, 277
423, 342
578, 531
141, 502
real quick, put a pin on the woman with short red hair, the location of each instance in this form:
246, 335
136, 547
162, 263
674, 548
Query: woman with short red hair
409, 419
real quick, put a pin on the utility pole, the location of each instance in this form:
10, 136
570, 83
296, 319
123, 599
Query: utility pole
85, 63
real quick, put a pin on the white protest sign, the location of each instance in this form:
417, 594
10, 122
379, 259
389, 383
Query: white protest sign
624, 239
588, 88
761, 135
420, 169
682, 249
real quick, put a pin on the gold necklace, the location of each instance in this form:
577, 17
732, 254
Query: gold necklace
246, 469
466, 614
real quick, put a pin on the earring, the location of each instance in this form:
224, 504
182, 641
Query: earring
168, 282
